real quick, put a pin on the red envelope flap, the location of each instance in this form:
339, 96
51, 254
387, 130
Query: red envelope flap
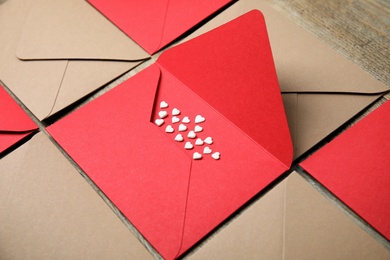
355, 167
13, 119
226, 67
217, 186
154, 24
133, 163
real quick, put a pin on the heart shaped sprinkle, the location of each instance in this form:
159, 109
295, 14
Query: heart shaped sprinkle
199, 119
216, 155
175, 111
182, 128
198, 129
163, 114
208, 140
186, 120
197, 156
188, 146
159, 122
169, 129
163, 104
191, 135
179, 138
198, 142
175, 119
207, 150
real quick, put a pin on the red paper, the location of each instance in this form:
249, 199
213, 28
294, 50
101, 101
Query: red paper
172, 199
355, 167
154, 24
15, 124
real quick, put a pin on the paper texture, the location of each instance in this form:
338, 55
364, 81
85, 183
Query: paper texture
151, 178
292, 221
15, 124
55, 52
321, 88
155, 24
48, 211
354, 166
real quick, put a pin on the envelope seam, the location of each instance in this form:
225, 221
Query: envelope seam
59, 89
213, 109
185, 211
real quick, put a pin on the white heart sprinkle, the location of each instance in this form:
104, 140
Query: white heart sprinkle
182, 128
207, 150
188, 146
198, 129
163, 104
163, 114
186, 120
199, 119
197, 156
216, 155
175, 111
159, 122
198, 142
179, 138
208, 140
169, 129
191, 134
175, 119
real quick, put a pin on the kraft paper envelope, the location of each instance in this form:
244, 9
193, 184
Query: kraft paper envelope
15, 124
321, 89
155, 24
355, 167
55, 52
48, 210
231, 86
292, 221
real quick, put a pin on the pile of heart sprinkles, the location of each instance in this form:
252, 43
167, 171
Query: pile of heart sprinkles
183, 131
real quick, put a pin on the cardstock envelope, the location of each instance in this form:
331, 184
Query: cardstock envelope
292, 221
355, 167
48, 211
155, 24
55, 52
228, 84
321, 88
15, 124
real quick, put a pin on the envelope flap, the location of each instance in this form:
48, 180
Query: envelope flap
154, 24
72, 29
12, 116
228, 68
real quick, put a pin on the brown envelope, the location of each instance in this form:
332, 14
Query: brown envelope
55, 52
292, 221
321, 89
48, 211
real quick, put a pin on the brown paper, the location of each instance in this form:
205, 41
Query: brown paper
48, 211
55, 52
321, 88
292, 221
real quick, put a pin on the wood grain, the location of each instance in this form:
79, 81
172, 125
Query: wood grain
356, 28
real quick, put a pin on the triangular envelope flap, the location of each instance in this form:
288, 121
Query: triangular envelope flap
232, 69
72, 29
154, 24
12, 116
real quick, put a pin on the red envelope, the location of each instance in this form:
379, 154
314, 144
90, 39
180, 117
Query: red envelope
15, 124
355, 167
155, 24
172, 199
